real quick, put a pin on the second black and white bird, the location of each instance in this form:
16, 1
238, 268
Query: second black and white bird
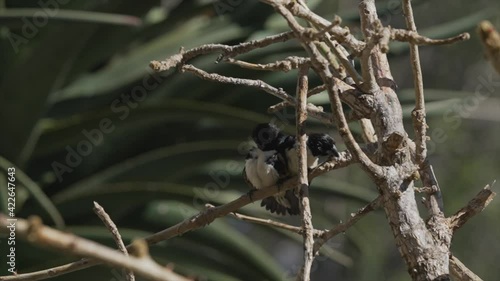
275, 159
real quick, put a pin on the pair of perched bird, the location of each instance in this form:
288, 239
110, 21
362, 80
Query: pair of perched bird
275, 159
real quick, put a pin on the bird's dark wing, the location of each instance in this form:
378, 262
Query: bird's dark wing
278, 161
273, 206
294, 202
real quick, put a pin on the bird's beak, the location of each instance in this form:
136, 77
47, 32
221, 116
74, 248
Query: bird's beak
334, 152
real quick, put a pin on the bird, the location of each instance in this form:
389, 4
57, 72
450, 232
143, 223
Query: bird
318, 145
265, 166
275, 159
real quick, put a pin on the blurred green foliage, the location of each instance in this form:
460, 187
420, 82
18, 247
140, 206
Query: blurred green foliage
86, 120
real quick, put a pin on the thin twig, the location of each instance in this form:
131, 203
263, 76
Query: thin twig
346, 133
35, 232
307, 226
258, 84
414, 38
342, 227
227, 51
269, 222
339, 52
418, 114
475, 206
279, 106
108, 222
316, 90
426, 189
284, 65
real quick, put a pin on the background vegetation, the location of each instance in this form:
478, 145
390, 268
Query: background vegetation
182, 145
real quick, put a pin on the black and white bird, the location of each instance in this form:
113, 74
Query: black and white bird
318, 145
275, 159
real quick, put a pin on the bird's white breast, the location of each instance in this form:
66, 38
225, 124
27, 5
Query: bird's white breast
293, 159
251, 171
258, 172
267, 173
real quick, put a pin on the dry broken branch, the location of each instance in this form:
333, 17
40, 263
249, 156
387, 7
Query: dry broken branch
475, 206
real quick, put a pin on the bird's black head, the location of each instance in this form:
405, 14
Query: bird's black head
322, 145
267, 136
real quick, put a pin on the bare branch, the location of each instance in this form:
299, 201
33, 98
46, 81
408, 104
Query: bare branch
35, 232
307, 226
418, 114
342, 227
316, 90
340, 34
339, 52
227, 51
426, 189
108, 222
284, 65
269, 222
475, 206
414, 38
258, 84
346, 134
